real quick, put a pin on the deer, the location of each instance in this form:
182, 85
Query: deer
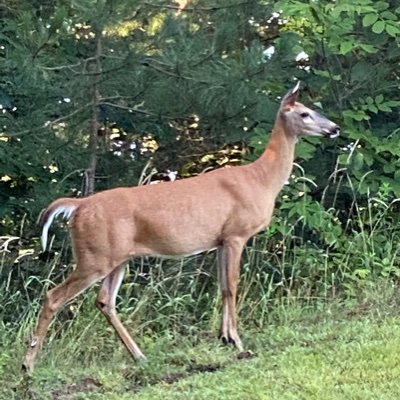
218, 210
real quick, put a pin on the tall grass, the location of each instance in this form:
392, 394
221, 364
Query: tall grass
280, 267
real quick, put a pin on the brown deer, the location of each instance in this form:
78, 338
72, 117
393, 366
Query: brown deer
218, 210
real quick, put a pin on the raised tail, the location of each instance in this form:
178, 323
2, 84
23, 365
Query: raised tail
64, 206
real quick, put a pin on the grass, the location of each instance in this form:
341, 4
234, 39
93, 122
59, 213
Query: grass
351, 360
324, 351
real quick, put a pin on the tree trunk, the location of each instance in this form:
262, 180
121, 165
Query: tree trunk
90, 173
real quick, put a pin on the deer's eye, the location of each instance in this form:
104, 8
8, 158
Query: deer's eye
304, 115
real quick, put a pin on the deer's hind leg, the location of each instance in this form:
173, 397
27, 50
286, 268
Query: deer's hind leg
84, 276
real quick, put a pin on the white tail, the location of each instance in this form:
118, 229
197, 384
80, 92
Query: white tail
65, 208
219, 210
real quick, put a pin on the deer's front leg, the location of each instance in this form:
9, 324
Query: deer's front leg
106, 304
229, 269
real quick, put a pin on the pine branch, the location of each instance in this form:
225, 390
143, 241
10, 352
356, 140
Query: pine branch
119, 97
70, 66
49, 124
130, 109
194, 9
170, 73
83, 63
148, 113
63, 118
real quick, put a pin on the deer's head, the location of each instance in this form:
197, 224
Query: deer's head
300, 120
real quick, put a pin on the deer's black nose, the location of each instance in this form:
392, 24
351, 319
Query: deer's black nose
335, 131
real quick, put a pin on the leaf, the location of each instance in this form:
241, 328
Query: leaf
389, 15
305, 150
379, 99
360, 116
345, 47
357, 115
326, 74
389, 168
381, 5
358, 161
393, 103
361, 273
369, 19
361, 70
368, 48
378, 27
384, 107
392, 30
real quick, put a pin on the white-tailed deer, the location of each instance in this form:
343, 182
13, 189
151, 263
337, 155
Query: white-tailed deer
218, 210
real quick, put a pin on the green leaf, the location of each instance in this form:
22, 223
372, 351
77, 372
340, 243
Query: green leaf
389, 15
361, 273
326, 74
357, 115
345, 47
369, 19
378, 27
393, 103
392, 30
384, 107
358, 161
361, 70
379, 99
373, 108
381, 5
368, 48
360, 116
305, 150
389, 168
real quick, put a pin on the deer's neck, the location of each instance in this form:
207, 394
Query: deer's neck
276, 163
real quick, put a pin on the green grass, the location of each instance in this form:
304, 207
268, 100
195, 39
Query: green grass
324, 351
353, 359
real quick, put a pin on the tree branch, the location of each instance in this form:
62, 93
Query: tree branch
194, 9
169, 73
130, 109
71, 66
60, 119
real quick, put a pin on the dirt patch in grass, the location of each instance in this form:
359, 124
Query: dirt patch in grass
139, 381
190, 370
86, 385
245, 355
201, 368
198, 368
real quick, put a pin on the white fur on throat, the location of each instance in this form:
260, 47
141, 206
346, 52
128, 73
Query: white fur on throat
66, 211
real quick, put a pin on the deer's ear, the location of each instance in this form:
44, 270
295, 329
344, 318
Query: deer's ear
291, 97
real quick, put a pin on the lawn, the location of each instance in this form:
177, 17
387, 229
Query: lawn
335, 351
